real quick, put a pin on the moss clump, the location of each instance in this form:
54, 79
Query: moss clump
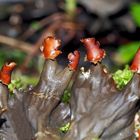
122, 77
65, 128
66, 96
15, 84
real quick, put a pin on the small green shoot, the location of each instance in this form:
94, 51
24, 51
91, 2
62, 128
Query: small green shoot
70, 7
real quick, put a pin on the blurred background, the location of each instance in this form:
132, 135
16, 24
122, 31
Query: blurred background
24, 24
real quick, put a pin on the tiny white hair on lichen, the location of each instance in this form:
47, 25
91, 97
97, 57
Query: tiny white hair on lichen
85, 74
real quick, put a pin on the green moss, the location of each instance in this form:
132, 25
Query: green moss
21, 81
15, 84
65, 128
66, 96
122, 77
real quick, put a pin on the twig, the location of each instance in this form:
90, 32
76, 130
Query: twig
47, 20
17, 44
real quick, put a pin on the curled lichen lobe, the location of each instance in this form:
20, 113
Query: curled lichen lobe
135, 67
73, 60
5, 72
94, 53
51, 47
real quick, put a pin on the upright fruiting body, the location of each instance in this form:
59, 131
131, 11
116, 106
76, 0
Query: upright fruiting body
45, 97
5, 72
51, 47
73, 60
94, 52
135, 67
